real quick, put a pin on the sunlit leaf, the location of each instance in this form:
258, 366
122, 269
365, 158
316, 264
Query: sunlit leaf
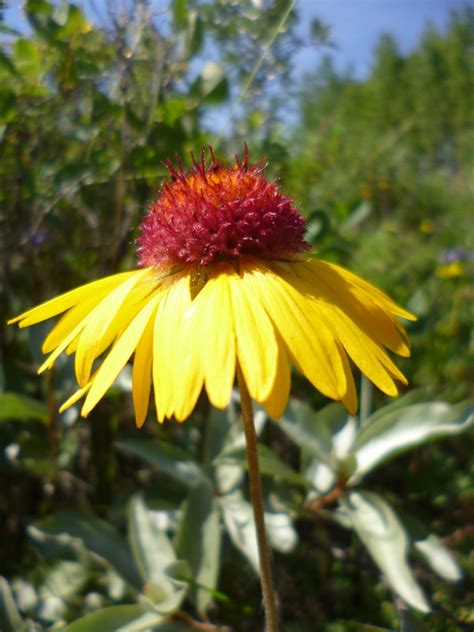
270, 463
10, 618
320, 476
432, 550
116, 619
240, 525
238, 519
179, 8
229, 475
199, 542
97, 536
317, 226
194, 34
213, 83
165, 458
27, 57
313, 431
379, 528
217, 428
281, 532
359, 214
402, 429
155, 558
64, 578
439, 558
16, 406
6, 62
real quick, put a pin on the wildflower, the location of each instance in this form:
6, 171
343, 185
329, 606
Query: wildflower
450, 270
223, 279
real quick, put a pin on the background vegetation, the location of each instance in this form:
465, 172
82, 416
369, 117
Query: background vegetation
151, 529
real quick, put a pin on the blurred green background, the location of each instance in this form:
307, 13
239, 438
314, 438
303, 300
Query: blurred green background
91, 104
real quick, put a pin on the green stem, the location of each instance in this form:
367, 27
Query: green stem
265, 558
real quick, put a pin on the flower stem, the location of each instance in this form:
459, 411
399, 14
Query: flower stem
269, 599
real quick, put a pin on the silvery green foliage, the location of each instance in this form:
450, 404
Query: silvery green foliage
214, 502
340, 451
170, 553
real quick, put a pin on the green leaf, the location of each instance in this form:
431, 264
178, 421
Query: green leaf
439, 558
116, 619
213, 83
239, 522
42, 7
317, 225
155, 557
180, 10
379, 528
64, 578
432, 549
270, 464
217, 429
97, 536
229, 476
61, 14
281, 532
411, 623
151, 547
194, 35
402, 429
72, 22
27, 57
10, 618
320, 476
16, 407
359, 214
199, 542
415, 396
240, 525
165, 458
7, 63
7, 30
313, 431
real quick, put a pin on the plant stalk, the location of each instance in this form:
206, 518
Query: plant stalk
265, 557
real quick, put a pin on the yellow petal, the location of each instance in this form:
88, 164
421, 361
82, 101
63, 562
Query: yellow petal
68, 322
277, 399
350, 398
377, 323
190, 378
64, 344
97, 324
126, 312
61, 303
211, 316
369, 357
167, 330
141, 374
75, 397
383, 299
308, 339
120, 354
257, 348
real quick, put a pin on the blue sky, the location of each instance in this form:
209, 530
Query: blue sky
355, 26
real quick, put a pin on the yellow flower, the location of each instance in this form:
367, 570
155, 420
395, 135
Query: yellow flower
450, 270
223, 279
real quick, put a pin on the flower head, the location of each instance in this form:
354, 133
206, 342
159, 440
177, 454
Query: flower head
217, 213
223, 280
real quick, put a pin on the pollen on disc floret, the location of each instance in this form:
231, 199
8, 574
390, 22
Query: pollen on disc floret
215, 212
